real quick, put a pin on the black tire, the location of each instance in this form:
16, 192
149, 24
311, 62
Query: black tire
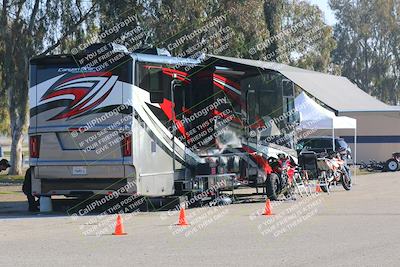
346, 180
392, 165
324, 189
272, 186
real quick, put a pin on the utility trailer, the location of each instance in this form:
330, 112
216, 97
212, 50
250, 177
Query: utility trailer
155, 125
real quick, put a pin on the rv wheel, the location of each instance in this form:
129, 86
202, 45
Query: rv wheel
272, 186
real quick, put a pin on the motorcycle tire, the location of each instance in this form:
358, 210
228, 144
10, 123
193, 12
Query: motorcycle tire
272, 186
324, 189
346, 180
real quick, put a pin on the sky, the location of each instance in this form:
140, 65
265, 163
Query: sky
324, 6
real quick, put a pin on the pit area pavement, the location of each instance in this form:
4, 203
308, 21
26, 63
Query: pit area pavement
356, 228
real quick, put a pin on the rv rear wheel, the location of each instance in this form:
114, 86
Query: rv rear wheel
272, 186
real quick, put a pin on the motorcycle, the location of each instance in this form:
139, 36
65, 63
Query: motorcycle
333, 169
375, 166
285, 167
364, 166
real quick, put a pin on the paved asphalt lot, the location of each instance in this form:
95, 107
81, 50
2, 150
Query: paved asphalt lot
356, 228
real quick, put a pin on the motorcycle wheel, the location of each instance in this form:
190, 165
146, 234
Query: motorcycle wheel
324, 188
346, 180
392, 165
272, 186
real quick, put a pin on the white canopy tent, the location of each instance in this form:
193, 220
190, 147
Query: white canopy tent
314, 116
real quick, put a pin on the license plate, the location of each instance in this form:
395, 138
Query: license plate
78, 170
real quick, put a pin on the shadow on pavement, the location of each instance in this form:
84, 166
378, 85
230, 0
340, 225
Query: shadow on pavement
87, 206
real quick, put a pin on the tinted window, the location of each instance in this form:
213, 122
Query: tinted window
317, 143
341, 143
325, 143
287, 88
152, 79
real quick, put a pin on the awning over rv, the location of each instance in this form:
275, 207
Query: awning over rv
337, 92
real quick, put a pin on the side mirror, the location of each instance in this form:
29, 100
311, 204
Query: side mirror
157, 97
296, 117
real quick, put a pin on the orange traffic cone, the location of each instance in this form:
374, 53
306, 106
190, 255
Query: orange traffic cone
268, 209
182, 218
318, 188
119, 228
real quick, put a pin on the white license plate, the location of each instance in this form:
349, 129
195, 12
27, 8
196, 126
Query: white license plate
78, 170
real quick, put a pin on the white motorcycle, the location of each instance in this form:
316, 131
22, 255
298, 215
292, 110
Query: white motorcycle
333, 169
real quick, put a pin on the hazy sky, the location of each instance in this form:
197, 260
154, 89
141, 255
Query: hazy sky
323, 5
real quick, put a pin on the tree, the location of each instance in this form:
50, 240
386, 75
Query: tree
314, 38
26, 29
111, 13
368, 37
273, 20
237, 25
245, 18
297, 35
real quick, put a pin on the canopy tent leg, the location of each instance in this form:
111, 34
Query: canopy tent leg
355, 155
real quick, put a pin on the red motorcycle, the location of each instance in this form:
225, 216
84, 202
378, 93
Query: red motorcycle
285, 167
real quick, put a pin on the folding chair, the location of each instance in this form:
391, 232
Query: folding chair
298, 182
309, 166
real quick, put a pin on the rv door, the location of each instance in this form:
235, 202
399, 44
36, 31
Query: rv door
251, 117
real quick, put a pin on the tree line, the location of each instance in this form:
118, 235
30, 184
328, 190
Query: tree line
363, 45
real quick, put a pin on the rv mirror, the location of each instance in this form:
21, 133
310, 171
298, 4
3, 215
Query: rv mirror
157, 97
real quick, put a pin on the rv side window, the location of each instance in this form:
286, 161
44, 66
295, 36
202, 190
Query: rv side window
251, 106
270, 98
287, 88
288, 99
151, 78
157, 97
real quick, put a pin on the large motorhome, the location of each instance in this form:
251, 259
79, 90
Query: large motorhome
155, 124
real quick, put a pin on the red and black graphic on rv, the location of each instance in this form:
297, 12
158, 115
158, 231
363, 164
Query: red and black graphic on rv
79, 93
231, 89
259, 159
180, 75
